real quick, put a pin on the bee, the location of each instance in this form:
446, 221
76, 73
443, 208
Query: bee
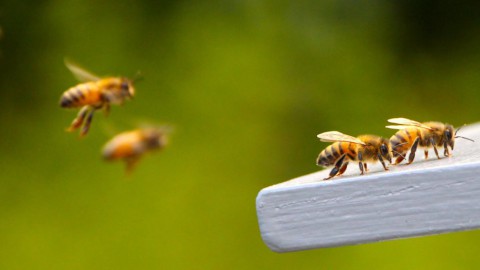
93, 94
364, 148
427, 135
132, 145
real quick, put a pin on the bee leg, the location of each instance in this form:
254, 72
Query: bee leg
337, 168
411, 157
106, 100
78, 121
426, 154
130, 164
86, 127
381, 161
344, 167
360, 163
434, 147
106, 109
399, 159
445, 149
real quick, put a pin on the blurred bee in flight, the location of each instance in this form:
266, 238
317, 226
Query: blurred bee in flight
130, 146
427, 135
345, 148
92, 94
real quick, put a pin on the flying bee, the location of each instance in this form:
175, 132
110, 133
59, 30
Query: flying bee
132, 145
93, 94
345, 148
427, 135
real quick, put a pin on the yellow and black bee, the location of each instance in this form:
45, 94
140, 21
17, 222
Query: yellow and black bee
427, 135
130, 146
364, 148
94, 94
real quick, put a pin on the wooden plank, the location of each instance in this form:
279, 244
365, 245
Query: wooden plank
424, 198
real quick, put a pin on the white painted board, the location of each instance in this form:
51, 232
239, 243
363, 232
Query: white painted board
424, 198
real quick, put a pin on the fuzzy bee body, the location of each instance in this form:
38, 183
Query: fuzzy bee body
81, 95
403, 140
363, 149
94, 94
333, 152
130, 146
427, 135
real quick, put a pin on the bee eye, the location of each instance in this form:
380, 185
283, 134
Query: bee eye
124, 85
383, 149
448, 134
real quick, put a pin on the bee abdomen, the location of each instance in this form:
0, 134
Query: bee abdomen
74, 96
400, 137
401, 142
329, 155
322, 160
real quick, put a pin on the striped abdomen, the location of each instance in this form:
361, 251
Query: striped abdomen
334, 151
402, 141
82, 94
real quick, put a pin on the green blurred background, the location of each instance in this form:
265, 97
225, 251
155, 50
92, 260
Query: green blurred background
247, 85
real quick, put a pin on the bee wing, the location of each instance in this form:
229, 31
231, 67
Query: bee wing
80, 73
404, 123
399, 127
335, 136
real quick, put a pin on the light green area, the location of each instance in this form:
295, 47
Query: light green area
247, 86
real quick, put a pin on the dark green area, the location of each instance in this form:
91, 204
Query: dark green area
247, 85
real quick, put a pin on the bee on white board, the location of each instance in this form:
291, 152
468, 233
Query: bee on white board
345, 148
427, 135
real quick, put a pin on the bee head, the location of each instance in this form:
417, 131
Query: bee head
156, 137
385, 150
448, 135
127, 88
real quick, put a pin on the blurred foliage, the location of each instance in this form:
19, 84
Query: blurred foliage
247, 85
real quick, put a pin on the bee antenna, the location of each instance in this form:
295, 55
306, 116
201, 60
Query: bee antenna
401, 144
138, 77
459, 129
393, 151
461, 137
167, 129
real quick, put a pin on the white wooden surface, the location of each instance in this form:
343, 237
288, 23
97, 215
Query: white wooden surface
426, 197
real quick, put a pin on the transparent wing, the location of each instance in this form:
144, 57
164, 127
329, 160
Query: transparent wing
405, 123
400, 127
335, 136
80, 73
